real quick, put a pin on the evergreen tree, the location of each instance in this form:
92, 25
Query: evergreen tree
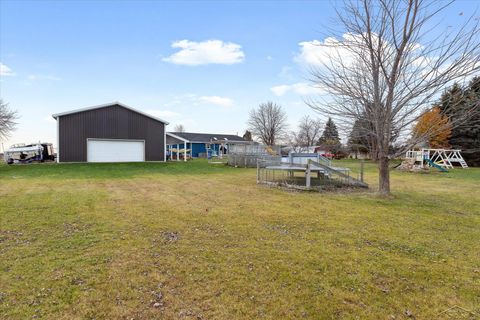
456, 103
361, 138
452, 101
330, 139
358, 138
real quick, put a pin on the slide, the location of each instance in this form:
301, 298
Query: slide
433, 164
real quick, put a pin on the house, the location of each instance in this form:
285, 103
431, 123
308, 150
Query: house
198, 143
111, 132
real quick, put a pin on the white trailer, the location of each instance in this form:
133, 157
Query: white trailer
35, 152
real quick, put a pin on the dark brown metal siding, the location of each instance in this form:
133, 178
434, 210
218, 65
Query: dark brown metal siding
114, 122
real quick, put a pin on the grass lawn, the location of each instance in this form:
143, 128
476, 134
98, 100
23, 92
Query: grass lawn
193, 241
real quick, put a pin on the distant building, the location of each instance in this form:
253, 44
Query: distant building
198, 143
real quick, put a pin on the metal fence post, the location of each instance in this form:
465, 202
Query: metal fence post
258, 171
307, 176
362, 163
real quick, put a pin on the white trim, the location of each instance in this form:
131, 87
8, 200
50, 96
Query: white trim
55, 116
107, 139
114, 139
165, 143
176, 137
206, 141
185, 151
58, 140
219, 141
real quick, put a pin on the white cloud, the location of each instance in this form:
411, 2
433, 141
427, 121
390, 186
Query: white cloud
206, 52
216, 100
311, 52
300, 88
280, 90
5, 71
342, 52
35, 77
339, 52
318, 52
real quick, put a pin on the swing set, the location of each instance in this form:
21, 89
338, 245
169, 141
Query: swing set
216, 151
441, 159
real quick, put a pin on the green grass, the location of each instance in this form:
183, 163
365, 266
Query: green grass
108, 241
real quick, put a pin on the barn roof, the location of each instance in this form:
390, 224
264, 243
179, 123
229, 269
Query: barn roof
116, 103
207, 137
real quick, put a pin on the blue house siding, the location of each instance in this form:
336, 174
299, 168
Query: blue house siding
198, 148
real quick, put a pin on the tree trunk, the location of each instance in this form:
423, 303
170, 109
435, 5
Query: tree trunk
384, 176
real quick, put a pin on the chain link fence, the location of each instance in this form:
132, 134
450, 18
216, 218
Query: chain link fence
305, 176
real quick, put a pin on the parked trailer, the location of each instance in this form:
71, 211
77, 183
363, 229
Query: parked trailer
35, 152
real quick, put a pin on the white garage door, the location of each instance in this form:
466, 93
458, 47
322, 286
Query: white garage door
115, 150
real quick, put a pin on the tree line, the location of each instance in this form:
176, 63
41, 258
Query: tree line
454, 121
384, 67
268, 123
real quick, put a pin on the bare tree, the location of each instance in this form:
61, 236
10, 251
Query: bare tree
7, 120
389, 66
308, 134
309, 131
268, 123
179, 128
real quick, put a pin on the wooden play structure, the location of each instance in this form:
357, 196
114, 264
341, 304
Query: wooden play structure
216, 151
441, 159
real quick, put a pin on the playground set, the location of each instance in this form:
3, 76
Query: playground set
217, 151
441, 159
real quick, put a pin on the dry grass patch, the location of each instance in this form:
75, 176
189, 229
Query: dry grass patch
188, 241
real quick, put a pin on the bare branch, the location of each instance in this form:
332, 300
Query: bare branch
7, 120
268, 123
387, 69
179, 128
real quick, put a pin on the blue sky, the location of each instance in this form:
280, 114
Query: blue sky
200, 64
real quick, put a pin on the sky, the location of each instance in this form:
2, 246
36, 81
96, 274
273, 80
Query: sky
201, 64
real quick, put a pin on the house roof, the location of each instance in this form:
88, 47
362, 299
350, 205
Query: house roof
206, 137
170, 134
115, 103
